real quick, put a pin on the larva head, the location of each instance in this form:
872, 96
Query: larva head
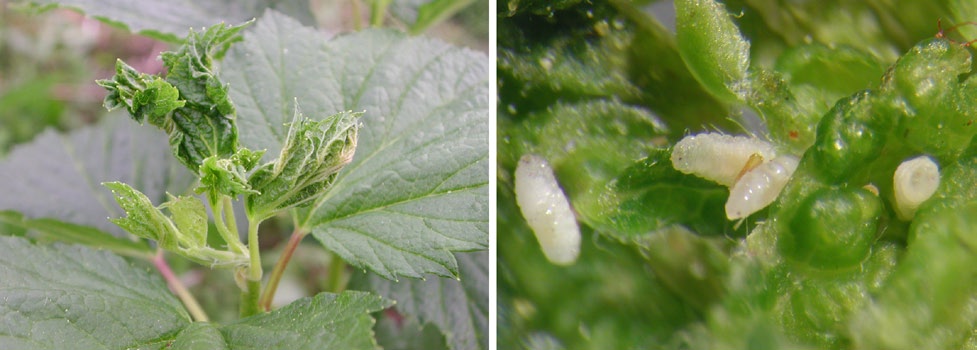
759, 187
547, 210
718, 157
914, 182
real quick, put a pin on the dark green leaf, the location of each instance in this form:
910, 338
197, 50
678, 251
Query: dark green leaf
416, 189
199, 336
60, 297
70, 297
458, 308
326, 321
67, 169
47, 230
170, 20
397, 332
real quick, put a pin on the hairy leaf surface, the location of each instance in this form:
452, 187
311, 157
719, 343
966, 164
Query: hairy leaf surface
170, 20
458, 308
416, 189
72, 297
67, 170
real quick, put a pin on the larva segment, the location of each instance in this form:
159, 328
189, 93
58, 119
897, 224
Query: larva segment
717, 157
914, 182
547, 210
759, 187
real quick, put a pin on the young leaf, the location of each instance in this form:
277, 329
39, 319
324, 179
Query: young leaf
67, 170
416, 190
200, 120
651, 195
228, 176
59, 297
144, 96
313, 154
712, 47
461, 313
183, 232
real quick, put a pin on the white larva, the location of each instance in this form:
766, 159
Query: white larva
759, 187
718, 157
914, 182
547, 210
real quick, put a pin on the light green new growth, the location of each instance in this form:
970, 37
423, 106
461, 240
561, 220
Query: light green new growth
183, 232
313, 154
193, 107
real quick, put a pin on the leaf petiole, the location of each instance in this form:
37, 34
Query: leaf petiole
197, 312
223, 209
276, 274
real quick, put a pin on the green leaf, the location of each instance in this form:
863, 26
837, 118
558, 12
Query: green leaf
199, 336
712, 47
416, 189
618, 135
59, 296
142, 218
144, 96
48, 230
928, 300
327, 321
192, 105
184, 231
67, 170
651, 195
170, 20
423, 14
190, 218
314, 152
396, 332
462, 309
228, 176
692, 266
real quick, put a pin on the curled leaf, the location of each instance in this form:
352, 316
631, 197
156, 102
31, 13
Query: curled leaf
191, 105
145, 96
313, 154
228, 176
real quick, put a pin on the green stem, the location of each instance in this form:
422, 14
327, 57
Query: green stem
251, 293
357, 16
276, 275
249, 299
254, 271
178, 288
336, 281
231, 219
378, 12
220, 209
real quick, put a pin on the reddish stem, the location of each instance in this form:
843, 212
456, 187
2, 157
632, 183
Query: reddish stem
276, 275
